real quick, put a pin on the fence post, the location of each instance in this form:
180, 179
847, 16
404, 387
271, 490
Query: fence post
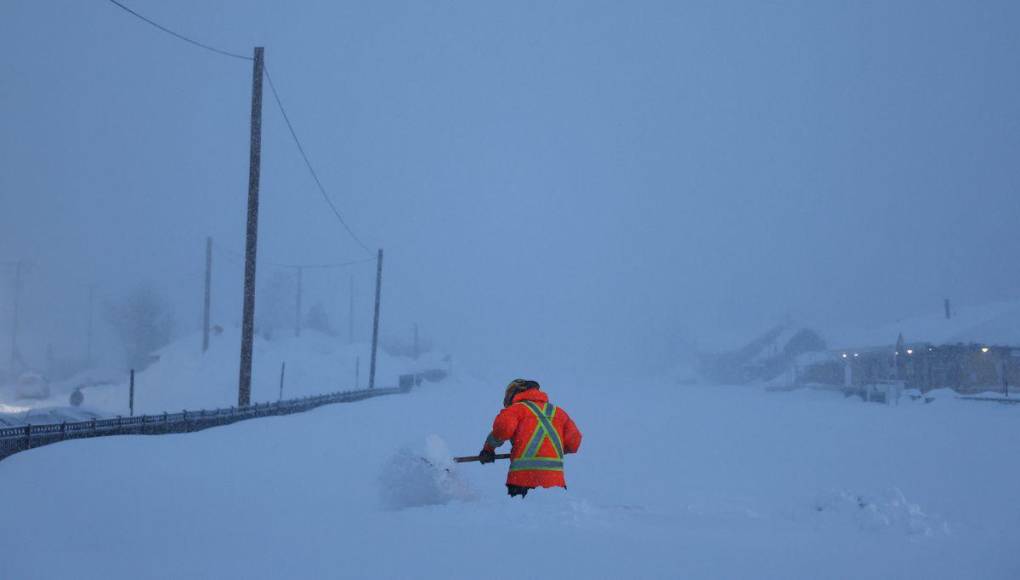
93, 425
131, 394
283, 368
63, 430
184, 413
28, 436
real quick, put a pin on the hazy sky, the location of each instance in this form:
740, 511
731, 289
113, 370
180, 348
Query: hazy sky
570, 185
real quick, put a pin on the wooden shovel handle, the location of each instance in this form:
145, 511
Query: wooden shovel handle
471, 458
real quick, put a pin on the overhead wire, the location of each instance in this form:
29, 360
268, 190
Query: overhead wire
239, 259
178, 35
279, 104
308, 163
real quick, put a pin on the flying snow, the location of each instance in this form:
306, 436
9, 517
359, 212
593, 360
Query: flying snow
411, 479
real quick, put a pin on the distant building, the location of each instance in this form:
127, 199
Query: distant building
965, 368
977, 350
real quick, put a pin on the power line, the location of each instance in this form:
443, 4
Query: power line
335, 265
279, 103
239, 259
177, 35
308, 164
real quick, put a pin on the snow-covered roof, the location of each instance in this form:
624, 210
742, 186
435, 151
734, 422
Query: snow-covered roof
996, 323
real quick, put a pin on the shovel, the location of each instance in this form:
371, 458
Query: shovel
471, 458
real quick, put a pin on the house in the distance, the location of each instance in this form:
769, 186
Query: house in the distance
973, 349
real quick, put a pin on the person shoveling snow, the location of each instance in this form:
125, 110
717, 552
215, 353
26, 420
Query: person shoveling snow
540, 434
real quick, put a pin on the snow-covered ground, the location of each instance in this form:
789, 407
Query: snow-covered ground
671, 482
184, 378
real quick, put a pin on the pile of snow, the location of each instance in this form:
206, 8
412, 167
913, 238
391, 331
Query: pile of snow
888, 510
413, 479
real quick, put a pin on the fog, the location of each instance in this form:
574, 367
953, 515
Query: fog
575, 187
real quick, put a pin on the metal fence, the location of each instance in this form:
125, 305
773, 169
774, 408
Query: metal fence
15, 439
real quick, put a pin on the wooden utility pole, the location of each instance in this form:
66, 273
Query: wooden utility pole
297, 307
375, 320
208, 293
251, 235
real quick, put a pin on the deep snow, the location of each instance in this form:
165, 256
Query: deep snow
670, 482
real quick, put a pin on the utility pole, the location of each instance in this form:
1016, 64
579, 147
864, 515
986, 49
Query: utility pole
251, 235
131, 393
350, 314
417, 352
375, 320
208, 293
297, 307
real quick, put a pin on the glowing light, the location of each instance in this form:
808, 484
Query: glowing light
857, 354
844, 355
984, 349
910, 351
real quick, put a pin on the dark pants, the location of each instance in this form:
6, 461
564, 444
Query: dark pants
520, 490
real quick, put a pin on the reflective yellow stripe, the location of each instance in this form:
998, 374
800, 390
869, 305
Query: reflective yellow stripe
537, 464
543, 430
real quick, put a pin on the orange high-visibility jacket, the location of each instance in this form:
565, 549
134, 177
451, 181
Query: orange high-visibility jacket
536, 459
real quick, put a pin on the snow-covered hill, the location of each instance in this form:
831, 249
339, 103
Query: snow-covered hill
671, 482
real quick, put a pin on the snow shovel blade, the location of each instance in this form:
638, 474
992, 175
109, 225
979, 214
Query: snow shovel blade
471, 458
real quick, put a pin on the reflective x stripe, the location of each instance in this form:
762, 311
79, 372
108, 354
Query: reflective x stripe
542, 430
537, 464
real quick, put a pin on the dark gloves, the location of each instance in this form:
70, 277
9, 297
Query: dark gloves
486, 456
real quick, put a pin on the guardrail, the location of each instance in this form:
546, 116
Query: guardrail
1000, 400
22, 438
